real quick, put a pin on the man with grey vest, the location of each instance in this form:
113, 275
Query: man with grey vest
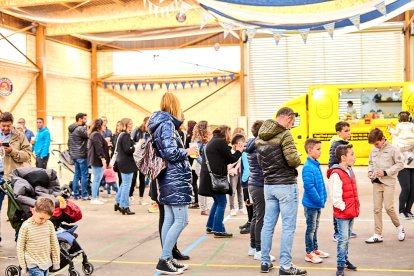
78, 140
278, 158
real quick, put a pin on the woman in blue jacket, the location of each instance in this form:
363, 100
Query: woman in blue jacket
174, 183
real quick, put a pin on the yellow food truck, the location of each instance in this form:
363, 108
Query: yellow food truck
376, 105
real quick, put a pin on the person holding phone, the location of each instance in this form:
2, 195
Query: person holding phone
17, 150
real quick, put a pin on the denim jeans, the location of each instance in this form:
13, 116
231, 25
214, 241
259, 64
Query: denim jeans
82, 174
35, 271
344, 231
114, 186
280, 199
1, 192
97, 177
122, 197
312, 224
237, 189
215, 219
175, 220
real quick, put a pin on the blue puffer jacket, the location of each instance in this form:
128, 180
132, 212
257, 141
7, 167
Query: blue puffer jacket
256, 174
174, 183
314, 195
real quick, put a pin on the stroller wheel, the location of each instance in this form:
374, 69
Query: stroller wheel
74, 273
12, 270
87, 268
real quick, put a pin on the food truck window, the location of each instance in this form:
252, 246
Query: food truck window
297, 120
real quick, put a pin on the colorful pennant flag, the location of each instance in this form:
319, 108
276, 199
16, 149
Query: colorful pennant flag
223, 78
304, 33
143, 86
231, 77
205, 18
330, 27
191, 83
160, 84
167, 84
113, 85
215, 79
175, 85
121, 84
152, 86
381, 8
208, 82
227, 28
128, 85
136, 86
277, 35
356, 20
199, 82
250, 34
105, 85
183, 84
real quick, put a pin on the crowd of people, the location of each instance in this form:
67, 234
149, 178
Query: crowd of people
200, 163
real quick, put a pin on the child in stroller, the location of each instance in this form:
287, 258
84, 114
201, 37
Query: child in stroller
26, 185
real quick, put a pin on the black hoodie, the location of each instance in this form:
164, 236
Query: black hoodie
78, 141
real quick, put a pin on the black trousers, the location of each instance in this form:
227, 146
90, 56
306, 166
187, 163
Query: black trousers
42, 162
406, 200
194, 184
141, 178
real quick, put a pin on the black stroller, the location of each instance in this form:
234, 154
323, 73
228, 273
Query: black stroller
69, 247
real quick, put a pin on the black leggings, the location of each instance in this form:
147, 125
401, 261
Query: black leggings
194, 184
406, 179
141, 184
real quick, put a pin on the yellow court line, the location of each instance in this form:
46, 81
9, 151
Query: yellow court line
249, 266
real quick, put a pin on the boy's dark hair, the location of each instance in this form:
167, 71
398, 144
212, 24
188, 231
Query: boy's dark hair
350, 102
237, 138
342, 150
6, 117
221, 131
41, 119
310, 143
404, 116
255, 127
80, 116
375, 135
44, 205
285, 111
340, 125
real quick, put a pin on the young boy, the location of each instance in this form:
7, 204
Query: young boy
234, 176
343, 133
314, 198
37, 244
342, 185
385, 161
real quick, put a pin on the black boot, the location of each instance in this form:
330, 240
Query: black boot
178, 255
127, 211
116, 207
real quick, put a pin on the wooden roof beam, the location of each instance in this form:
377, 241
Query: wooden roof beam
28, 3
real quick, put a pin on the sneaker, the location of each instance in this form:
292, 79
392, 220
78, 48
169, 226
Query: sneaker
375, 239
194, 206
86, 198
247, 224
320, 253
401, 233
209, 231
340, 271
313, 258
166, 267
410, 215
223, 235
404, 216
258, 256
205, 213
353, 235
96, 202
350, 266
335, 237
101, 189
178, 265
233, 212
292, 271
103, 200
409, 160
153, 209
265, 267
251, 251
245, 230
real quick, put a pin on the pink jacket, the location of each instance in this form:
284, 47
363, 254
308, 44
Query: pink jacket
110, 175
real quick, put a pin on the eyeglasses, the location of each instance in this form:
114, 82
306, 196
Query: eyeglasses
20, 122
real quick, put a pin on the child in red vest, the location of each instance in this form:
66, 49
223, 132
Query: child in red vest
345, 201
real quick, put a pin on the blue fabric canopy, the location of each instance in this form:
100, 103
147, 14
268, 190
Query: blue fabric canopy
274, 3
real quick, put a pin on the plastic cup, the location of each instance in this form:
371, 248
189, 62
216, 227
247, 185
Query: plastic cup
193, 145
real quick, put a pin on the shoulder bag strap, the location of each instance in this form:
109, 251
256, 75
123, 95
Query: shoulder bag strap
117, 142
208, 164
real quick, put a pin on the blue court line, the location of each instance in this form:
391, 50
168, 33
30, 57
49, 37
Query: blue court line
195, 243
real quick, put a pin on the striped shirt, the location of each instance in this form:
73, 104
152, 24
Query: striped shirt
36, 245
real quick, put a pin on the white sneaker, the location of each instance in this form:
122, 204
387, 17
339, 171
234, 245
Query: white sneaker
375, 239
320, 253
313, 258
401, 233
233, 212
103, 200
258, 256
96, 202
251, 251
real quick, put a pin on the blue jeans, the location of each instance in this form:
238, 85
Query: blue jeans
312, 224
97, 177
344, 231
35, 271
114, 185
1, 192
175, 220
82, 174
122, 197
280, 199
215, 219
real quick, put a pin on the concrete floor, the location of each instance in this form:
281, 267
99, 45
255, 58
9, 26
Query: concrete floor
129, 245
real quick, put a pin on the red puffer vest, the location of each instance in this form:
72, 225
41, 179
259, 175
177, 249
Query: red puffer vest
349, 196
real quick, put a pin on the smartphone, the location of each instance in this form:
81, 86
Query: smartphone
5, 144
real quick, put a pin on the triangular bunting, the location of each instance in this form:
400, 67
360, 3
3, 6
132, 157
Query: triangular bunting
160, 84
175, 85
381, 8
184, 7
105, 85
250, 34
128, 85
143, 86
356, 20
208, 82
152, 86
330, 27
113, 85
167, 84
304, 33
191, 83
227, 28
121, 84
136, 86
231, 77
223, 78
215, 79
205, 18
183, 84
199, 82
277, 36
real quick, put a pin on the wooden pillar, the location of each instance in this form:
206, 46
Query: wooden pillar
41, 103
242, 98
94, 83
407, 69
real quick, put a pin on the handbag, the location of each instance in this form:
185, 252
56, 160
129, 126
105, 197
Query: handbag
115, 155
147, 160
219, 183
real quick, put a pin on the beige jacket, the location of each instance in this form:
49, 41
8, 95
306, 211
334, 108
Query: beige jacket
20, 156
387, 159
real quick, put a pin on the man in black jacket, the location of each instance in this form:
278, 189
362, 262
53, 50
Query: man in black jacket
78, 140
278, 157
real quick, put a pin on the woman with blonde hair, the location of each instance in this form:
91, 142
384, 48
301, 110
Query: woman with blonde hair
125, 165
174, 183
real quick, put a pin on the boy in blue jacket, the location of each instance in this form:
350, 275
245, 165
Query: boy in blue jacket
314, 198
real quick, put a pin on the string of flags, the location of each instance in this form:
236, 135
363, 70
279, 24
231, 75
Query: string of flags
167, 84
